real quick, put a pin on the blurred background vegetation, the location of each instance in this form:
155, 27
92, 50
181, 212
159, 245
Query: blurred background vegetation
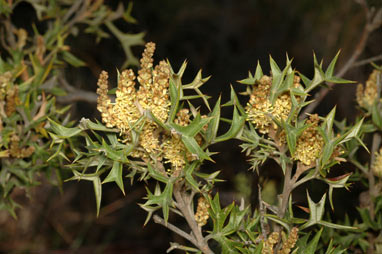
225, 38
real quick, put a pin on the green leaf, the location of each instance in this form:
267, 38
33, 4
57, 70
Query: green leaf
163, 199
327, 152
352, 133
278, 220
194, 148
193, 128
312, 246
98, 192
62, 131
174, 98
292, 134
213, 125
376, 115
112, 153
328, 122
86, 124
72, 60
259, 72
339, 80
127, 41
336, 226
189, 169
157, 175
318, 78
196, 83
115, 175
330, 69
316, 211
337, 182
279, 84
96, 184
234, 101
235, 129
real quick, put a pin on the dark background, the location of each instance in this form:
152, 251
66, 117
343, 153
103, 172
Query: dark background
225, 38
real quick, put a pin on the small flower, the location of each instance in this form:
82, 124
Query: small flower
201, 215
366, 95
309, 144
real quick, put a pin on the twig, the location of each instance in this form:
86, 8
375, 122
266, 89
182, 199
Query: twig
183, 203
174, 228
264, 226
367, 61
287, 189
78, 95
370, 26
75, 94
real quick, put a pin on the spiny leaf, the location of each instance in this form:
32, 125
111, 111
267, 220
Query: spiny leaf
214, 123
115, 175
62, 131
235, 129
127, 41
330, 69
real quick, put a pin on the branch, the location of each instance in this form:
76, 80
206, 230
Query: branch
183, 203
372, 23
174, 228
75, 94
367, 61
78, 95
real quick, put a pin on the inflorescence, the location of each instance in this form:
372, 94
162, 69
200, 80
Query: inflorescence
132, 104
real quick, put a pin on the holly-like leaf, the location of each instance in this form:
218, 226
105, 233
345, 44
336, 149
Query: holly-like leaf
115, 175
193, 128
62, 131
337, 182
316, 211
96, 184
213, 125
235, 129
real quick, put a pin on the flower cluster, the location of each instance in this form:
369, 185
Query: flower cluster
201, 215
366, 95
377, 164
9, 97
131, 104
16, 151
260, 109
310, 143
288, 244
270, 242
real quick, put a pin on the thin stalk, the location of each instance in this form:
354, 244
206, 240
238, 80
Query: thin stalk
183, 203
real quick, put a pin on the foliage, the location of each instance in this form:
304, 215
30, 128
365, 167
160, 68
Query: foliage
31, 66
151, 132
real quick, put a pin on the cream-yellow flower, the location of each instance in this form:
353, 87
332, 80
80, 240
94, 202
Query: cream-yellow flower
130, 104
260, 109
310, 143
366, 95
377, 164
